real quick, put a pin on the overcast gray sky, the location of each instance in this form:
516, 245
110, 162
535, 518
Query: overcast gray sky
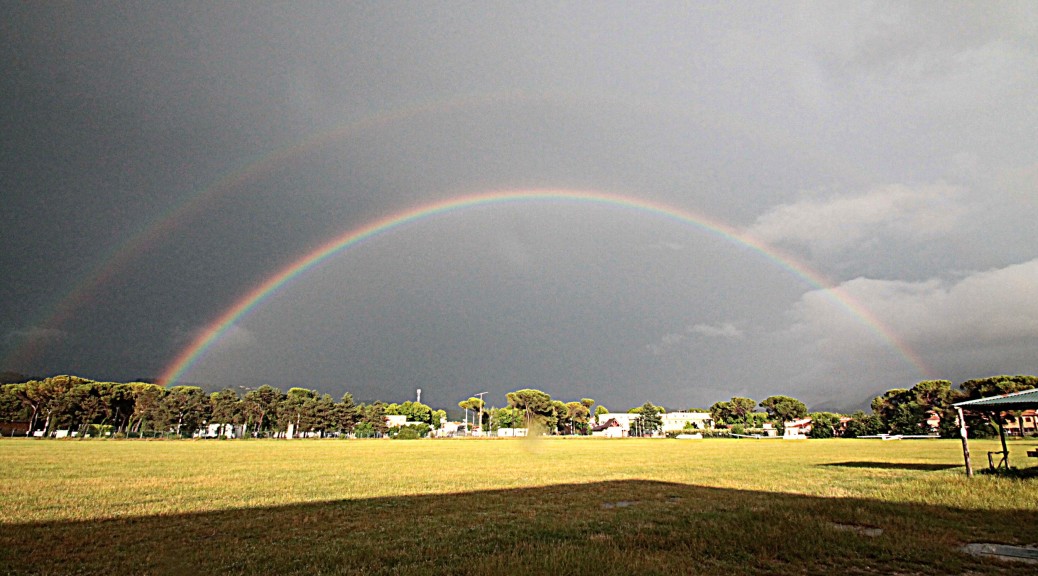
160, 160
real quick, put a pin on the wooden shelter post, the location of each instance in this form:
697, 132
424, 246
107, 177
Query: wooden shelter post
965, 442
1002, 435
998, 405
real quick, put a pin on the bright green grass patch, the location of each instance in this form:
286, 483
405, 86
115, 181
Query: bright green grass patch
505, 506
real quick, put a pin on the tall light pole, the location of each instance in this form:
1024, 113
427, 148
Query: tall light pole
480, 395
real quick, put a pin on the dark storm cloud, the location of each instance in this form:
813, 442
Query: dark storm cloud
888, 146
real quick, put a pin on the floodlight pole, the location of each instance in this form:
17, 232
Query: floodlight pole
480, 395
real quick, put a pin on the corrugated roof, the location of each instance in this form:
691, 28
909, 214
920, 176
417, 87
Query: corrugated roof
1014, 401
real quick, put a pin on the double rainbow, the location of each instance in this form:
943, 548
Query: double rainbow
197, 349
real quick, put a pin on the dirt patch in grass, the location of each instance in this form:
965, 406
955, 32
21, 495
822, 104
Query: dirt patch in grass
857, 529
922, 466
1003, 552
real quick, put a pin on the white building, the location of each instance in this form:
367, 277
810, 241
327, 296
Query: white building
511, 432
677, 421
217, 430
672, 422
622, 427
797, 429
448, 429
609, 429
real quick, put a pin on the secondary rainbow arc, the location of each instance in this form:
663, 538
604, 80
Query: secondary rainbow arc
150, 234
190, 355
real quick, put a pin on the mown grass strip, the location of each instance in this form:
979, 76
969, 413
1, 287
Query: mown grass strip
492, 507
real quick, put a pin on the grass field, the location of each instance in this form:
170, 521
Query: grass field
549, 506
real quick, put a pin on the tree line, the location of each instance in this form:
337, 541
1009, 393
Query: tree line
538, 412
896, 411
534, 410
140, 409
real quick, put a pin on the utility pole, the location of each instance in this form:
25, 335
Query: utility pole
480, 395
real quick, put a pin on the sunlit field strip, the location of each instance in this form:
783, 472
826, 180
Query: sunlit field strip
55, 480
510, 506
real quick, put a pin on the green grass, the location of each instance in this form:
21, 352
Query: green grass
505, 506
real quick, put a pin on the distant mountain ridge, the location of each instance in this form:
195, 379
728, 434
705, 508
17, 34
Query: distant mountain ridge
15, 378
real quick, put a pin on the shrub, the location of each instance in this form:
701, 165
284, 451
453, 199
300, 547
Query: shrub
716, 434
820, 430
407, 433
758, 431
410, 431
823, 424
364, 430
100, 430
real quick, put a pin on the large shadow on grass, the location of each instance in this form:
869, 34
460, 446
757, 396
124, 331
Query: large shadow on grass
620, 527
896, 465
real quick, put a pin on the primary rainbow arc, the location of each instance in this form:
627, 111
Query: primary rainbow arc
196, 350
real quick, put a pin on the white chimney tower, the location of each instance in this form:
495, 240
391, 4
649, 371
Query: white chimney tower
419, 395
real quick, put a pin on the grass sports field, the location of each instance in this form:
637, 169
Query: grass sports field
514, 506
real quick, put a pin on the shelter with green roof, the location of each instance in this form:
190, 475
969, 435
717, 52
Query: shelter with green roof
1025, 400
